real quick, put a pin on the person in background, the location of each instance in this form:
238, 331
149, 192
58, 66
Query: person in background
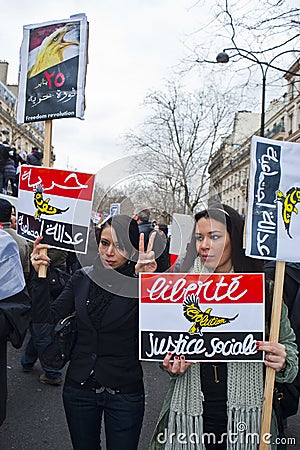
104, 376
213, 398
10, 172
35, 158
6, 218
3, 158
21, 158
13, 218
160, 243
162, 228
15, 308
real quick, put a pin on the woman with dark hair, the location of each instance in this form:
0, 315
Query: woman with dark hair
104, 377
207, 402
234, 225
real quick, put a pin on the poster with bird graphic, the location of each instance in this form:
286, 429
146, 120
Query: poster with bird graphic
53, 61
57, 205
205, 317
273, 223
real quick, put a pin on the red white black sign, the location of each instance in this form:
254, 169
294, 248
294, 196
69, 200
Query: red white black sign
55, 204
205, 317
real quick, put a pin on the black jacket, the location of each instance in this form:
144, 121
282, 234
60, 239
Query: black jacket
112, 351
14, 321
4, 149
35, 159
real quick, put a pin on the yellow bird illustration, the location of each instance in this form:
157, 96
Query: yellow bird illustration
288, 200
192, 312
43, 206
51, 51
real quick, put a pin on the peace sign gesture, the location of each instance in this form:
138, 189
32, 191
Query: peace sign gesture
146, 261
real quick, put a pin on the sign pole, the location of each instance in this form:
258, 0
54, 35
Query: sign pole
46, 163
274, 336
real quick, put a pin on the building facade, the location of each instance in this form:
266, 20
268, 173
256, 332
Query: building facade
293, 103
229, 168
22, 137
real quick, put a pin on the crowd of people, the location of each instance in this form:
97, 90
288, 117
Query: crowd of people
104, 378
10, 163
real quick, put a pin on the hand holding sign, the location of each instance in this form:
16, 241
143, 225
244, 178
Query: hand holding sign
275, 354
146, 261
38, 257
178, 367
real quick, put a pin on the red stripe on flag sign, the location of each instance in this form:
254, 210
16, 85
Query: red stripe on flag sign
210, 288
57, 182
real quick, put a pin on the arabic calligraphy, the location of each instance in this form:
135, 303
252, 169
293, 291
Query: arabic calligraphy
73, 176
57, 234
61, 235
266, 171
61, 97
26, 230
266, 182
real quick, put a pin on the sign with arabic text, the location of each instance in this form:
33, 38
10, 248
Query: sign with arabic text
56, 204
273, 225
53, 61
115, 208
205, 317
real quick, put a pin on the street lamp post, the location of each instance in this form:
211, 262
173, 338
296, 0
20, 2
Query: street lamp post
223, 58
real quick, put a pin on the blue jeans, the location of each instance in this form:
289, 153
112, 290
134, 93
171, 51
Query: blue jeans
34, 348
123, 417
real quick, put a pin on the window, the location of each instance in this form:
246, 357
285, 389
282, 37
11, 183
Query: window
292, 90
291, 118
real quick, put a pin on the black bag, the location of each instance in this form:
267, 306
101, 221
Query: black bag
57, 281
285, 403
287, 395
58, 353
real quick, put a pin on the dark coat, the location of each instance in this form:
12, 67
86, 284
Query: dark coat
14, 321
35, 159
9, 169
160, 246
112, 351
4, 149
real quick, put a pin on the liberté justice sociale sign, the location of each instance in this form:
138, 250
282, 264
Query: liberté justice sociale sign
205, 317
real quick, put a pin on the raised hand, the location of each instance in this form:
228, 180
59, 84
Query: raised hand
146, 261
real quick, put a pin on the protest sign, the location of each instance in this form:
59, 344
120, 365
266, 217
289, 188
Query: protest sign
273, 223
205, 317
273, 229
182, 227
53, 60
115, 209
55, 204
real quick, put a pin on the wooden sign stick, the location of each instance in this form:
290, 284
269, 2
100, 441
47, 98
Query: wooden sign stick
270, 373
46, 163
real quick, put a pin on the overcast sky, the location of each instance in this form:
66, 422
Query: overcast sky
133, 46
